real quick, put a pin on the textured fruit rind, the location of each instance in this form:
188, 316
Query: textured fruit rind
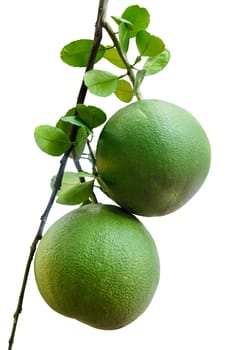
99, 265
152, 157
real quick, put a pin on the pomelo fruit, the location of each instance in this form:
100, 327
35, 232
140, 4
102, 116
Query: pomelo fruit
152, 157
99, 265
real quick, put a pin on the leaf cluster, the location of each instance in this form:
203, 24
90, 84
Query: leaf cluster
55, 140
151, 57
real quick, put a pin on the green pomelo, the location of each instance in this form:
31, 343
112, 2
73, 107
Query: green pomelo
152, 157
99, 265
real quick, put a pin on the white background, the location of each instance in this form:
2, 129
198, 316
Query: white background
192, 308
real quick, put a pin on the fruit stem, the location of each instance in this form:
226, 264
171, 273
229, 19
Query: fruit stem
102, 7
124, 58
92, 157
93, 197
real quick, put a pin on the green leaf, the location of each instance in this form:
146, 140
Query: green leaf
66, 127
80, 142
120, 20
138, 16
124, 37
75, 194
51, 140
91, 115
148, 45
124, 91
76, 53
82, 133
71, 111
85, 174
138, 80
101, 83
112, 55
72, 119
137, 60
69, 179
155, 64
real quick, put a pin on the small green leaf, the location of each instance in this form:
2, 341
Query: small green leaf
137, 60
124, 37
66, 127
69, 179
138, 16
71, 111
80, 142
148, 45
77, 121
75, 194
82, 133
124, 91
76, 53
101, 83
84, 174
138, 80
155, 64
91, 115
120, 20
51, 140
112, 55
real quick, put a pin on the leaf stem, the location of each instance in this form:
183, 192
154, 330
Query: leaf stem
102, 7
124, 58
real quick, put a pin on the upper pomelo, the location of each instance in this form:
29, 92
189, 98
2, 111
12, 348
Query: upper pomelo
152, 157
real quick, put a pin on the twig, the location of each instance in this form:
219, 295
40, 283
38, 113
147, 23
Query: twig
80, 99
96, 42
38, 236
123, 56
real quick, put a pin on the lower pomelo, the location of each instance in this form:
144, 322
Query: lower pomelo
99, 265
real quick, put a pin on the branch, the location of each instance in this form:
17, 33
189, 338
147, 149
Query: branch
38, 236
80, 99
96, 42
